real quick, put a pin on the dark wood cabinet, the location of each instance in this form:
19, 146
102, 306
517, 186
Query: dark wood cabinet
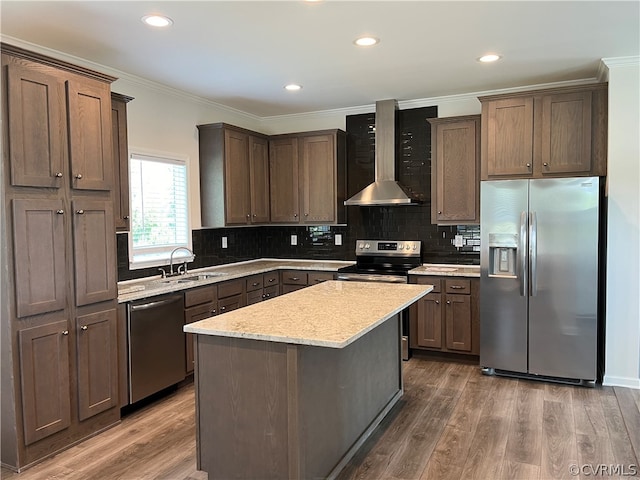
200, 303
293, 280
447, 319
120, 151
234, 176
36, 127
545, 133
39, 256
308, 177
89, 118
62, 382
97, 362
44, 371
455, 178
94, 251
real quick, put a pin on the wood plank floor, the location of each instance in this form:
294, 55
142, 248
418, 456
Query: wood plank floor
452, 423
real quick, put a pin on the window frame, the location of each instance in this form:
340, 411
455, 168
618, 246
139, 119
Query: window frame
160, 256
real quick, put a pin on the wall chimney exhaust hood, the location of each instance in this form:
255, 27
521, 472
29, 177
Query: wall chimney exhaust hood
385, 190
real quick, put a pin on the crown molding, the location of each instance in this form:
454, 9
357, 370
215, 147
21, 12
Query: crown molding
630, 61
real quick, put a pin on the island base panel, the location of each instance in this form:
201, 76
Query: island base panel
273, 410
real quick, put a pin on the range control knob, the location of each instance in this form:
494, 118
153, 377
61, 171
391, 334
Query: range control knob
367, 246
399, 246
361, 246
407, 246
415, 246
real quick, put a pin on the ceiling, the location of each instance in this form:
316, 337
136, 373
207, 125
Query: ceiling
241, 54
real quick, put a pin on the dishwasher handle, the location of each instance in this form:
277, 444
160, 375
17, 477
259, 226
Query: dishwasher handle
154, 304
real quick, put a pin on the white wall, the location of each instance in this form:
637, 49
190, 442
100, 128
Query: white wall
622, 359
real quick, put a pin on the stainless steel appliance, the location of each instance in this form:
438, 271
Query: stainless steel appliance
156, 344
386, 261
539, 278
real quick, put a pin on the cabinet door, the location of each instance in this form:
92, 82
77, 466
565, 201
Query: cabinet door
44, 375
259, 179
36, 127
283, 179
191, 315
120, 164
39, 256
566, 133
457, 175
430, 321
458, 322
231, 303
236, 178
318, 168
509, 137
90, 141
97, 363
94, 251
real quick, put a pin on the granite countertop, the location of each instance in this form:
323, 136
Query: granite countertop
152, 286
446, 270
330, 314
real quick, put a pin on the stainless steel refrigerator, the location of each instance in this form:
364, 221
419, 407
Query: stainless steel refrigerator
539, 278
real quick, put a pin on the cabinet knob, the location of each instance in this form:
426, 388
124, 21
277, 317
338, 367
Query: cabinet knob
222, 309
255, 284
126, 217
295, 279
545, 164
272, 280
65, 332
448, 302
439, 213
83, 327
60, 212
437, 302
295, 215
254, 215
306, 214
78, 176
80, 212
528, 165
248, 216
59, 174
213, 312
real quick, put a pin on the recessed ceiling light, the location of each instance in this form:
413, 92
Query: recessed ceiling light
157, 20
492, 57
366, 41
293, 87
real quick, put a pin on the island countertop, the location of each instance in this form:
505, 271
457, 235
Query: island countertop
330, 314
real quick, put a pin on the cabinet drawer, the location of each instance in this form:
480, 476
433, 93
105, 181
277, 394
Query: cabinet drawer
424, 280
294, 278
254, 296
196, 296
460, 286
270, 292
233, 287
319, 277
253, 283
271, 278
292, 288
200, 312
231, 303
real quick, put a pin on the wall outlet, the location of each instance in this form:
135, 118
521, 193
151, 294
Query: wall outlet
294, 239
224, 242
338, 239
458, 241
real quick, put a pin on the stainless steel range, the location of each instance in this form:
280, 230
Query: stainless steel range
385, 261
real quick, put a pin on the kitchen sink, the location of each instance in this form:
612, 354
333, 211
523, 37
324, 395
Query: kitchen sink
200, 276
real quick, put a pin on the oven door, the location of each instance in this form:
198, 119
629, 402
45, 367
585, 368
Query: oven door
371, 277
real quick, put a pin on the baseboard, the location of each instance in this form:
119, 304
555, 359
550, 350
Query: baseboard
613, 381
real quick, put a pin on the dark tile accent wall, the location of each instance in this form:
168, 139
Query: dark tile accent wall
411, 222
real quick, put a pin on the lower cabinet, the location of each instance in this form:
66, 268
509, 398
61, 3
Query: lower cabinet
199, 303
262, 287
447, 319
293, 280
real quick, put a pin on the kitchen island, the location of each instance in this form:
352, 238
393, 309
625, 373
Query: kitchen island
291, 388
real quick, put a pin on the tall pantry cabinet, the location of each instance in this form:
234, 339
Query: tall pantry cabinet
59, 291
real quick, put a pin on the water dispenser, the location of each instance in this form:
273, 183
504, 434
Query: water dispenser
503, 250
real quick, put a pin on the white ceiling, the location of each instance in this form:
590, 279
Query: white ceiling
241, 54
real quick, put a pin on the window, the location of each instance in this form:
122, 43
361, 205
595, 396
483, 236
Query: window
159, 210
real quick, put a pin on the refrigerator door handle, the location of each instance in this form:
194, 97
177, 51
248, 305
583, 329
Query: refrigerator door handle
533, 253
522, 253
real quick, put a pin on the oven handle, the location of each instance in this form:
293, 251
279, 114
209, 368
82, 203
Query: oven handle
349, 278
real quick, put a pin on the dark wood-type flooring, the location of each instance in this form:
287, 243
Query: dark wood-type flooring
452, 423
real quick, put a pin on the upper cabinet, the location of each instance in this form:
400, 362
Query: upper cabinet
234, 178
308, 177
545, 133
455, 170
248, 178
120, 162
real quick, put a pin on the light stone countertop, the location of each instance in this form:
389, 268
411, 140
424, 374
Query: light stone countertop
330, 314
446, 270
151, 286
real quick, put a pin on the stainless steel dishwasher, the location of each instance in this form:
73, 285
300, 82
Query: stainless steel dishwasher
156, 344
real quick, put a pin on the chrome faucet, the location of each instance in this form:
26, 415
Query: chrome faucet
185, 263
